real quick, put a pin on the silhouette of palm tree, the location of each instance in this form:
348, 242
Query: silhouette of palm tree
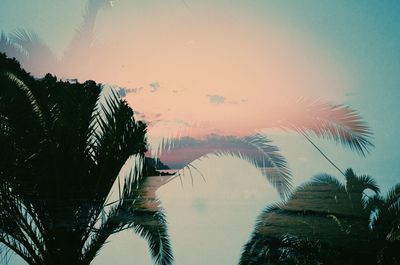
326, 222
386, 224
64, 147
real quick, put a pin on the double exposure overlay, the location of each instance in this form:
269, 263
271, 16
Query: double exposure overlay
199, 132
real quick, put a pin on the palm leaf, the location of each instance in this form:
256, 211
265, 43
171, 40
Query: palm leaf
258, 150
334, 122
12, 49
134, 210
39, 57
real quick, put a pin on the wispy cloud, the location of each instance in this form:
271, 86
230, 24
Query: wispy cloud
123, 91
216, 99
154, 87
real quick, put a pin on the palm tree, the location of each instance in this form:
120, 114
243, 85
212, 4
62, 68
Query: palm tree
386, 224
64, 147
327, 222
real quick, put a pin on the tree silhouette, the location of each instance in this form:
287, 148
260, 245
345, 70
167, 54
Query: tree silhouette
64, 147
386, 224
327, 222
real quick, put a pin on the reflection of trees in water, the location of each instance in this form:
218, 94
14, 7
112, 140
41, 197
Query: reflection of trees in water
327, 222
64, 147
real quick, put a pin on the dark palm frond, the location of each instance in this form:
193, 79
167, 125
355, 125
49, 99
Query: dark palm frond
385, 211
147, 216
152, 227
137, 211
113, 136
390, 214
364, 182
319, 196
389, 254
385, 224
393, 196
334, 122
19, 229
374, 202
266, 213
357, 187
326, 179
28, 92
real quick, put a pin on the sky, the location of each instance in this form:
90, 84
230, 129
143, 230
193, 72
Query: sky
231, 68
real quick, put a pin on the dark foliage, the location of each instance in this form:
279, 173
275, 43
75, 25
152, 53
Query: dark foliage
326, 222
63, 146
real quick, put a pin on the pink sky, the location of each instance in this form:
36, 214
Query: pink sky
257, 71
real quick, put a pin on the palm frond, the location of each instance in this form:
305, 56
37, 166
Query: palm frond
152, 226
135, 210
19, 228
334, 122
31, 43
40, 59
269, 158
113, 138
12, 49
79, 48
357, 187
258, 150
325, 179
393, 196
28, 93
145, 215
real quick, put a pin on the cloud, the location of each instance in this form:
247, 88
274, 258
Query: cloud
216, 99
123, 91
154, 87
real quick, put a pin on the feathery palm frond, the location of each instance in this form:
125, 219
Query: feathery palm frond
388, 214
79, 48
360, 183
257, 150
39, 57
334, 122
12, 49
148, 218
136, 211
